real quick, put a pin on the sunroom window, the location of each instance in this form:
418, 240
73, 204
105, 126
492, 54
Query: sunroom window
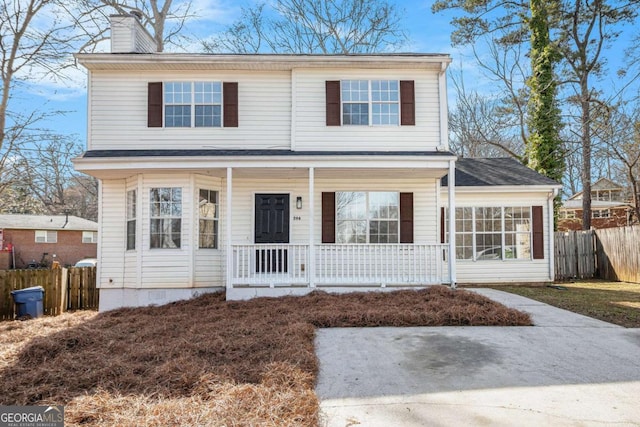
492, 233
367, 217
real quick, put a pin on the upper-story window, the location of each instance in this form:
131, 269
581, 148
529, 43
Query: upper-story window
193, 104
375, 102
370, 102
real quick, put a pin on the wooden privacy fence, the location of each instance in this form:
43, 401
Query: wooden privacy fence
618, 253
575, 255
64, 289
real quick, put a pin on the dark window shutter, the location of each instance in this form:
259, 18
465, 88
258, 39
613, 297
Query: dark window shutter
333, 102
406, 217
154, 105
407, 103
230, 96
328, 217
538, 232
442, 224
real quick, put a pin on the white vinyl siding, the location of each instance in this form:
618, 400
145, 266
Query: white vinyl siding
312, 133
113, 234
118, 106
496, 271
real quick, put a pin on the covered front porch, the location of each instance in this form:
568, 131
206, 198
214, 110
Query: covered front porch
290, 264
271, 265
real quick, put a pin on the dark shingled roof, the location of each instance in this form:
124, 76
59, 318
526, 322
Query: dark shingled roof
497, 171
251, 153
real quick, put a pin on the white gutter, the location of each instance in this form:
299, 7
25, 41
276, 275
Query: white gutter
508, 189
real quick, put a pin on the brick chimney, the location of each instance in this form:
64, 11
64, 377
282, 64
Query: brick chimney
129, 36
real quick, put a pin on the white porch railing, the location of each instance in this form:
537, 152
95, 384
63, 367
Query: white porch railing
270, 264
339, 264
380, 264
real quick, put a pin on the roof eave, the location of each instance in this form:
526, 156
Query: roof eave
179, 61
524, 188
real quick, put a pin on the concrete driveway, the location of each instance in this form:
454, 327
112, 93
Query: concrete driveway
567, 370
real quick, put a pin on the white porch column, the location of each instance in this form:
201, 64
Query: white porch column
312, 248
227, 221
551, 234
451, 181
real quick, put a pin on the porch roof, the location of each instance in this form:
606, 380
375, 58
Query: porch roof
121, 163
501, 171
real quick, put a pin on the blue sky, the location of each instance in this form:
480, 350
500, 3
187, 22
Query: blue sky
428, 33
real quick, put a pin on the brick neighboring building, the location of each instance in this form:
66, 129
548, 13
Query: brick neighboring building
45, 238
608, 208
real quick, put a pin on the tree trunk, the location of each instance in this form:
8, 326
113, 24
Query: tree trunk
586, 154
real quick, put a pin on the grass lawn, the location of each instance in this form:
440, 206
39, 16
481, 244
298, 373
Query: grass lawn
206, 361
614, 302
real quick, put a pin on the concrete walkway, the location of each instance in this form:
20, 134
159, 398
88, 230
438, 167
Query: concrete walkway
567, 370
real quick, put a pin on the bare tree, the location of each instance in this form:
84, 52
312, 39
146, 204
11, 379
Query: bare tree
46, 171
619, 131
164, 20
479, 126
35, 42
313, 26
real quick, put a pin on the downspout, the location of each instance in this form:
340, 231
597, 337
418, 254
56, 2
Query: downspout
552, 251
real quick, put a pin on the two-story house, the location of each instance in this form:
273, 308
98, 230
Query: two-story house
281, 174
608, 208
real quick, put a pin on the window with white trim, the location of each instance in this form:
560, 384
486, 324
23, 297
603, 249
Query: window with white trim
132, 196
46, 236
193, 104
166, 217
600, 213
375, 102
492, 233
367, 217
565, 214
208, 222
89, 237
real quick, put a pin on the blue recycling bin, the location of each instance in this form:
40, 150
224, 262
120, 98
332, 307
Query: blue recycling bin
29, 301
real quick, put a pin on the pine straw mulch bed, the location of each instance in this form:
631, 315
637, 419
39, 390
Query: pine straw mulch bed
207, 361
